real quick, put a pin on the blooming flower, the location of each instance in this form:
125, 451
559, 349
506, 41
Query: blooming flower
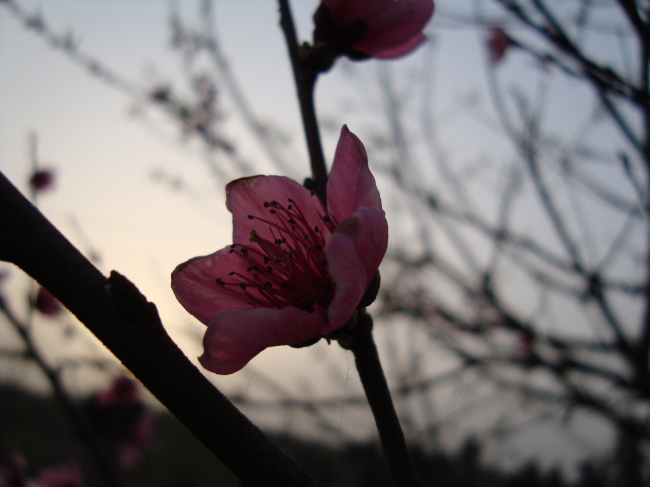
498, 43
296, 271
377, 28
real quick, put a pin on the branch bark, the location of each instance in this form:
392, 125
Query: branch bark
116, 313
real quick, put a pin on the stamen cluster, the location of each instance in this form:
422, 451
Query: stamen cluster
290, 267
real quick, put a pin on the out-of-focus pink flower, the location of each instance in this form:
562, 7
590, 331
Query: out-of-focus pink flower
296, 270
498, 43
46, 303
15, 473
120, 412
377, 28
121, 391
139, 437
61, 476
41, 180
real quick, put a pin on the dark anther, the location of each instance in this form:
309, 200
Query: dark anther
278, 241
269, 268
266, 260
316, 229
233, 246
272, 212
289, 254
284, 240
291, 201
243, 285
274, 203
220, 282
290, 207
231, 251
327, 219
292, 221
244, 251
251, 217
231, 273
266, 204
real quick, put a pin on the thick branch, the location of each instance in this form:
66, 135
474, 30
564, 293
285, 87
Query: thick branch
115, 311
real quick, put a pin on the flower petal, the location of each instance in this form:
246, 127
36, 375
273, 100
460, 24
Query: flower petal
354, 253
351, 185
394, 28
247, 196
194, 284
234, 337
403, 48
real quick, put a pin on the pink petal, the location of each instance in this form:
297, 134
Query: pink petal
195, 287
234, 337
394, 27
354, 253
403, 48
247, 196
351, 185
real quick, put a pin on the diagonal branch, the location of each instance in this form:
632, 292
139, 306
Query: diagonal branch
116, 313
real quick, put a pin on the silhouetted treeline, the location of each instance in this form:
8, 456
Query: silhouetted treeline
35, 426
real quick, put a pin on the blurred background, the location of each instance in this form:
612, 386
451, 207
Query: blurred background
511, 152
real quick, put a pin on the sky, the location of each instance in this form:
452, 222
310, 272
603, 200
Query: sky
106, 146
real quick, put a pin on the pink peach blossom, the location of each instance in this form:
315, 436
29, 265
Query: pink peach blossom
377, 28
296, 271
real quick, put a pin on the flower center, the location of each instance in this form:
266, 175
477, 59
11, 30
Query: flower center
289, 268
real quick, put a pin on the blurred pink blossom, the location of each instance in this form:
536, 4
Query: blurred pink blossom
121, 391
498, 44
139, 437
46, 304
42, 180
16, 475
61, 476
297, 270
372, 28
